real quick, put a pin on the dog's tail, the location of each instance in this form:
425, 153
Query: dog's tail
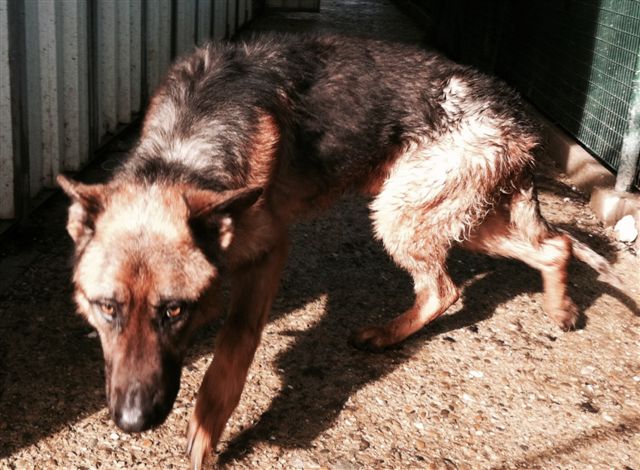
597, 262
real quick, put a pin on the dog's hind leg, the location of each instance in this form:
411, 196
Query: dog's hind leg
253, 289
515, 229
435, 292
417, 218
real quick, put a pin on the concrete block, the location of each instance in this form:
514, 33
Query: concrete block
610, 205
585, 171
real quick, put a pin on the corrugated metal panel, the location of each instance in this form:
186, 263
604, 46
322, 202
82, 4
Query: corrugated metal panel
219, 19
232, 6
124, 61
250, 11
203, 19
154, 48
6, 142
186, 19
158, 41
50, 29
34, 104
85, 70
107, 56
242, 11
135, 72
75, 84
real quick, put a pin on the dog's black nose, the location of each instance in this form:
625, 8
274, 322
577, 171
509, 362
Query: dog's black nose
131, 420
135, 410
143, 400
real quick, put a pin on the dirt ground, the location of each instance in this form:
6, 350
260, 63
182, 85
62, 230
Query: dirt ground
491, 384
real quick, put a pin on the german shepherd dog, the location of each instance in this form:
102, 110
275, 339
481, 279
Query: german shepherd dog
241, 140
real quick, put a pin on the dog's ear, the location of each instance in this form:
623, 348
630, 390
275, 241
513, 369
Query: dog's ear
231, 203
219, 209
87, 203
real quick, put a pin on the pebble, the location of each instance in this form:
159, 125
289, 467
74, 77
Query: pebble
21, 464
626, 230
587, 370
364, 444
299, 463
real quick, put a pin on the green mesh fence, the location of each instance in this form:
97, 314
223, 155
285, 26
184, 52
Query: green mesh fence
575, 60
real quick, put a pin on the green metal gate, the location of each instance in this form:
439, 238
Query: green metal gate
575, 60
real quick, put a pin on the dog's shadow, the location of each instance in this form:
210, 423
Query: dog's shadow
49, 366
50, 358
337, 257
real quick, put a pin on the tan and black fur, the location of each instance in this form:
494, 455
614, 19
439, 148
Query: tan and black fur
241, 140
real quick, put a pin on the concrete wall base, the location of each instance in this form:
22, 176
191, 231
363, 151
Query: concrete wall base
590, 177
611, 205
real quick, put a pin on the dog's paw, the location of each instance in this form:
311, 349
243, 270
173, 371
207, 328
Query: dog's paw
568, 323
371, 339
565, 317
198, 443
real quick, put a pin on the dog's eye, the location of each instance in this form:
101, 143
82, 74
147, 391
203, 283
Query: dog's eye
108, 309
173, 311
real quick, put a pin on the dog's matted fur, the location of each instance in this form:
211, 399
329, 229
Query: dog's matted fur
242, 139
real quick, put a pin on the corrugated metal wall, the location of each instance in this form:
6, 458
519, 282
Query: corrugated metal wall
576, 60
74, 72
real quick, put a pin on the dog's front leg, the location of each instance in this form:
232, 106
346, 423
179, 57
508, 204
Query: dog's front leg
253, 288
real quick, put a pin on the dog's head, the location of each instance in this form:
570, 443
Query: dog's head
146, 275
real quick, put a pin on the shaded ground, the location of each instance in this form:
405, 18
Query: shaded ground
492, 384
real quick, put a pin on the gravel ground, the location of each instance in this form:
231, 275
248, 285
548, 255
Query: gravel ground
491, 384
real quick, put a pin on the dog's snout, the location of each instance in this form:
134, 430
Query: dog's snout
139, 398
135, 410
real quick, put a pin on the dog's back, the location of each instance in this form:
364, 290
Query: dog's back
343, 108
